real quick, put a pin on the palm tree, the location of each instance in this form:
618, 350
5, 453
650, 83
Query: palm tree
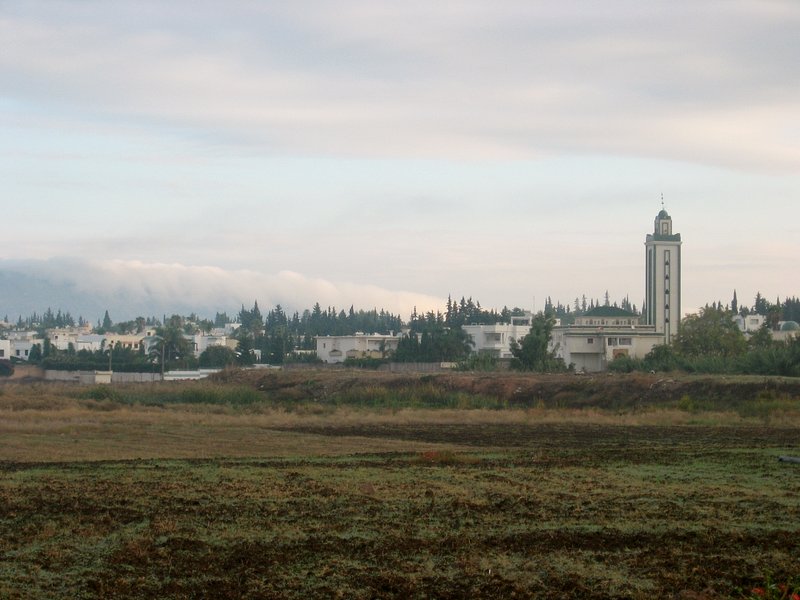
171, 345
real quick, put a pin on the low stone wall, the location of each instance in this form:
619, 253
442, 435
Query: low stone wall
418, 367
119, 377
90, 377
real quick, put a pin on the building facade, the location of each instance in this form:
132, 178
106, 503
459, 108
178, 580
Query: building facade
496, 340
750, 323
601, 335
338, 348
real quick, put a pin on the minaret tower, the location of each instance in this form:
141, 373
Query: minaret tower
663, 267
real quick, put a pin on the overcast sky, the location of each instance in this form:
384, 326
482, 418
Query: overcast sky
386, 154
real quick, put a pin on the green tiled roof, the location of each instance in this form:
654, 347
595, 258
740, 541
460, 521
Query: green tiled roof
608, 311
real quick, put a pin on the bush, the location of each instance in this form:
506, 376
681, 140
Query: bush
625, 364
6, 368
662, 358
364, 363
217, 357
480, 361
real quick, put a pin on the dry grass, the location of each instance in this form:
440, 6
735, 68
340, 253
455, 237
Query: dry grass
63, 422
76, 432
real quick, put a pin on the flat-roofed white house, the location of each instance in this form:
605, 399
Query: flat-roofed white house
338, 348
750, 323
5, 349
62, 337
202, 341
91, 342
601, 335
21, 348
131, 341
495, 340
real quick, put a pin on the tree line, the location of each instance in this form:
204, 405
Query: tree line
707, 342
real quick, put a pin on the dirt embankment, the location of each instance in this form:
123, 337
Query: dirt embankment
606, 391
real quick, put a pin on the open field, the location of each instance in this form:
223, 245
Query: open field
104, 494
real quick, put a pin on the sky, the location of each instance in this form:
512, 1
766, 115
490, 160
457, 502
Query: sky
385, 154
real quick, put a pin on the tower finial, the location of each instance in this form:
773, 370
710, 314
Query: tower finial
662, 200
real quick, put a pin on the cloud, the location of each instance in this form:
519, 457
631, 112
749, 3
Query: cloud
356, 78
137, 288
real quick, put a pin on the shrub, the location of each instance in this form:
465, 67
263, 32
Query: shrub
625, 364
6, 368
480, 361
217, 357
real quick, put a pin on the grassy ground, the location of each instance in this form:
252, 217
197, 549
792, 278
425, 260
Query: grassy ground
103, 497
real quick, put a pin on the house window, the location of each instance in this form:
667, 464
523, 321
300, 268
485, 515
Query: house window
590, 341
17, 352
2, 353
626, 341
612, 341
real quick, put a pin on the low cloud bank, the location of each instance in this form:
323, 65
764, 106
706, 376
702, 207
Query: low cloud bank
131, 288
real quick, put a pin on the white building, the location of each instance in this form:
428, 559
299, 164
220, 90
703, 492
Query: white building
202, 341
62, 337
5, 349
750, 323
663, 277
21, 348
495, 340
91, 342
338, 348
131, 341
600, 336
